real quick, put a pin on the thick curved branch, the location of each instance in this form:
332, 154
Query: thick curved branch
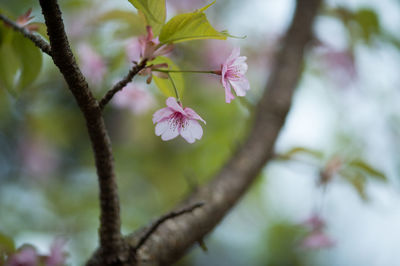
122, 83
110, 224
172, 239
38, 41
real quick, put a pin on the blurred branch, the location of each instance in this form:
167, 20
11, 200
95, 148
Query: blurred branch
38, 41
110, 224
122, 83
163, 219
173, 239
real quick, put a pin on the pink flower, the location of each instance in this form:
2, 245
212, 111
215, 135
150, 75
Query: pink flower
39, 158
315, 222
232, 75
317, 240
27, 256
149, 46
57, 254
93, 66
175, 120
133, 50
135, 98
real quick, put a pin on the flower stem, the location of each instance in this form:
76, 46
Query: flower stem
175, 89
217, 72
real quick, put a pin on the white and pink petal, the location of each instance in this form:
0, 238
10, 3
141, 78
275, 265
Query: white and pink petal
162, 114
191, 131
191, 114
174, 105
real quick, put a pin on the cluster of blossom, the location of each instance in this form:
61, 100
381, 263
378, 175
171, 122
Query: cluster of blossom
28, 256
316, 238
175, 120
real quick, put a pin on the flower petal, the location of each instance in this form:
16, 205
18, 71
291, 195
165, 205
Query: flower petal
162, 114
228, 94
240, 65
172, 130
191, 131
173, 104
241, 86
190, 113
232, 57
161, 127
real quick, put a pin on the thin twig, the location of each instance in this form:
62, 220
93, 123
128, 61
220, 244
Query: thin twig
122, 83
38, 41
164, 218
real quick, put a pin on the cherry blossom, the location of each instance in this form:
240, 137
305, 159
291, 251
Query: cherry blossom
57, 254
27, 256
317, 240
135, 98
175, 120
232, 75
93, 66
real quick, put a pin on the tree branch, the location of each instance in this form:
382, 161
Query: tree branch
121, 84
171, 240
163, 219
110, 224
38, 41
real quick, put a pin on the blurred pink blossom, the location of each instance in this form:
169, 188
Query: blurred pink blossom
315, 222
133, 50
232, 75
57, 255
215, 52
175, 120
39, 157
93, 66
134, 97
317, 240
27, 256
339, 65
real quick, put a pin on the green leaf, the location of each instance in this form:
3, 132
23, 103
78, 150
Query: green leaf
189, 26
165, 85
9, 65
6, 244
368, 21
368, 169
30, 60
154, 12
357, 181
42, 29
296, 150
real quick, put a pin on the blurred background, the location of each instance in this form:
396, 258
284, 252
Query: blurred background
330, 196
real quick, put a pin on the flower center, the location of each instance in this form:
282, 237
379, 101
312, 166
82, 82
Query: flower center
177, 120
